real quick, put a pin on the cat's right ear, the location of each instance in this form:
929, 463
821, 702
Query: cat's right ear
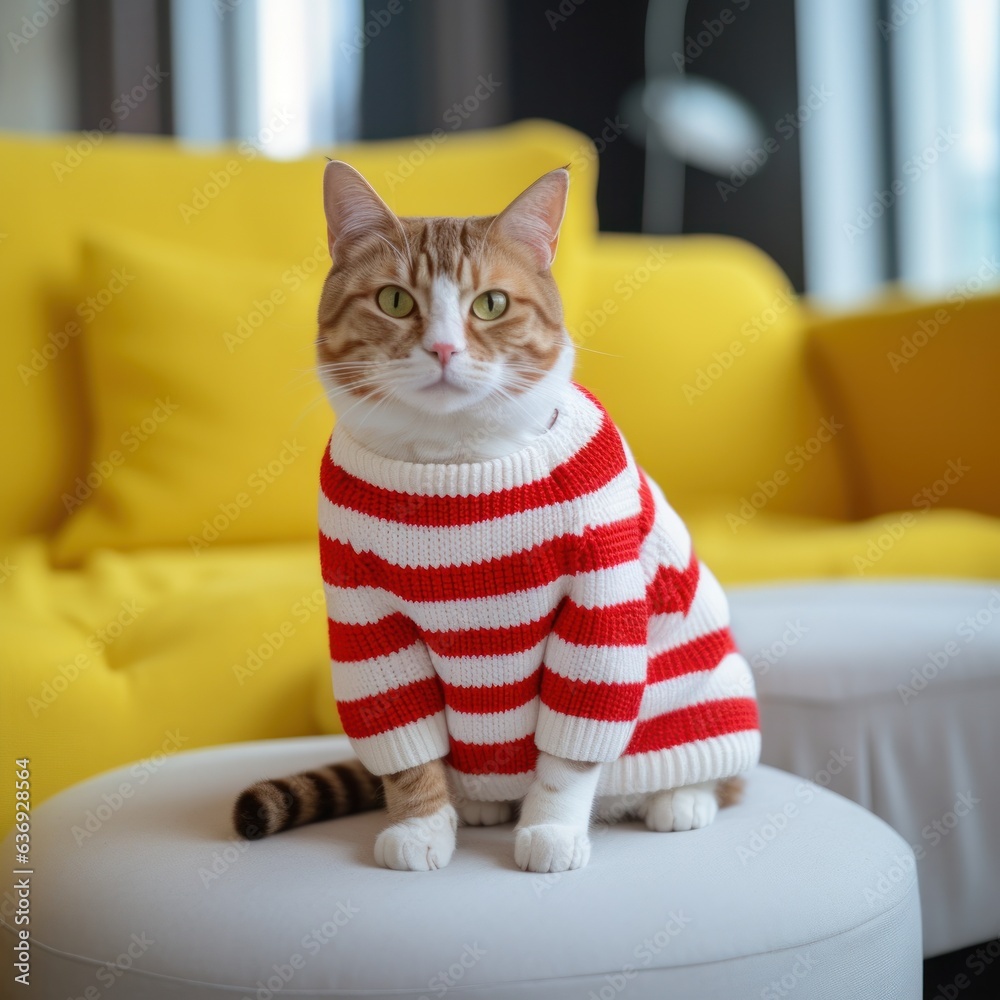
352, 207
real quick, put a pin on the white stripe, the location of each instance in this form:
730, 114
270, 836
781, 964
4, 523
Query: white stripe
494, 670
416, 545
404, 747
601, 588
687, 764
493, 727
364, 605
604, 664
730, 679
380, 674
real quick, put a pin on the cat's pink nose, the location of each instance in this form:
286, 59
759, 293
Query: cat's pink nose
443, 351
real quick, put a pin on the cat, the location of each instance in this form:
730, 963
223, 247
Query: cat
517, 619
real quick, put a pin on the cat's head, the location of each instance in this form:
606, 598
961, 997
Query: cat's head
426, 318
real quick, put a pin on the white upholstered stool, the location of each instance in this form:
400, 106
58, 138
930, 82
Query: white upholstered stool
794, 889
888, 692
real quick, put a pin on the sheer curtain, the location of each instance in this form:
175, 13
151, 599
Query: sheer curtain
901, 179
282, 75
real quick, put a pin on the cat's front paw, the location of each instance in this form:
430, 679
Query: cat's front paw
419, 844
687, 808
551, 847
475, 813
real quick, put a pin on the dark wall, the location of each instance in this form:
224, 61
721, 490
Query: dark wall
755, 56
574, 68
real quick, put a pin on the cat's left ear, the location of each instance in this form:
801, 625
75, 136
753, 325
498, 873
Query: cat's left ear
533, 218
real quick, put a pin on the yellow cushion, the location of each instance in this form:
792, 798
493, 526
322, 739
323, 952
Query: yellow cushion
231, 202
137, 654
208, 421
695, 346
917, 390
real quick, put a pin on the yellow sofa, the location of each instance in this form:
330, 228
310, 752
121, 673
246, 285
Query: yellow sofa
159, 586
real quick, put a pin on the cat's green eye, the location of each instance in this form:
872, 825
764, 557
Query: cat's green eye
490, 305
395, 301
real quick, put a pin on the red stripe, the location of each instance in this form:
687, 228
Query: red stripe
595, 464
624, 624
351, 643
647, 506
697, 722
380, 713
606, 702
477, 641
492, 698
672, 589
597, 548
513, 757
702, 653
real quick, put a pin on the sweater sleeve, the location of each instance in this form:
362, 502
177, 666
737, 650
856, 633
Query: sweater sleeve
594, 671
389, 698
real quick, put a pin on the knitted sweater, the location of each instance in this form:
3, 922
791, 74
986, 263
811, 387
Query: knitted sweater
549, 600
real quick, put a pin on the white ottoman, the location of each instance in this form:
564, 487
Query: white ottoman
889, 693
144, 889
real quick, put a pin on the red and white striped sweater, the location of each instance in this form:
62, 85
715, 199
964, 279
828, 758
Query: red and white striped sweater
549, 600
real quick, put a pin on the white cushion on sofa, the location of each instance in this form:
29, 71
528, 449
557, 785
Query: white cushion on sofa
795, 886
888, 692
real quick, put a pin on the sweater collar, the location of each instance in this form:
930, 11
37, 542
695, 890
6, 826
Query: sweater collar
577, 422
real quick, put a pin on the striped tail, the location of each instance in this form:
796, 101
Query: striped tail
278, 804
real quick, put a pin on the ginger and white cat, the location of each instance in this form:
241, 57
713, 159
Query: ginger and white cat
517, 618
